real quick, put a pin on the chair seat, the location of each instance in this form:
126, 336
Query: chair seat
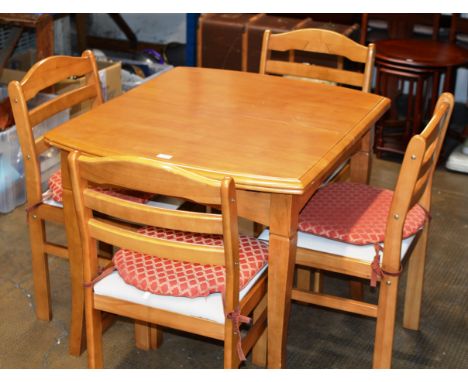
55, 185
354, 213
209, 307
185, 279
364, 253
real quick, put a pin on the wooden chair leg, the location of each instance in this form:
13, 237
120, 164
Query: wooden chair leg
356, 290
40, 268
303, 278
415, 281
147, 336
259, 350
94, 335
385, 323
318, 282
231, 360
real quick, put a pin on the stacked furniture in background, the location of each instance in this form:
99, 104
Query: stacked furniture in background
234, 41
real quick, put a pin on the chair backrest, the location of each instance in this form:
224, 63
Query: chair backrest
458, 28
318, 41
414, 182
43, 75
163, 179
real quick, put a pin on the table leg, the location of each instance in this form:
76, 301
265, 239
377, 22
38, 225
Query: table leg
284, 214
77, 325
361, 161
360, 173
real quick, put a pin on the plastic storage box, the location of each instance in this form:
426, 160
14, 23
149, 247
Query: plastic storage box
12, 186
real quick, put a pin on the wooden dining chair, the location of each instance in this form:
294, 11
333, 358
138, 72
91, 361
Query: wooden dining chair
318, 41
184, 270
46, 205
324, 42
332, 44
367, 232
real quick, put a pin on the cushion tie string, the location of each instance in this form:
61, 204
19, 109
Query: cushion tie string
237, 318
45, 196
377, 273
103, 272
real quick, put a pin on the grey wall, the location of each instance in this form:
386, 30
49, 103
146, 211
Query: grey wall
150, 27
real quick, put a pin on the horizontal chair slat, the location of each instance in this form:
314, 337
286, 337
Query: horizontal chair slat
172, 250
161, 317
333, 263
61, 102
334, 302
333, 43
132, 173
154, 216
51, 72
312, 71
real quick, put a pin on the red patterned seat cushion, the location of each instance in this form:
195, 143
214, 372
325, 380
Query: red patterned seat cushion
184, 279
55, 185
354, 213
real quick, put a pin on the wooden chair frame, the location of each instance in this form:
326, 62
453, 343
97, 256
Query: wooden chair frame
413, 186
318, 41
330, 43
43, 75
160, 178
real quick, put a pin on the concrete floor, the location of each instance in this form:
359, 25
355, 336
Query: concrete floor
318, 338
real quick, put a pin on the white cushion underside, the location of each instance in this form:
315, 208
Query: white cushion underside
160, 201
318, 243
53, 203
209, 307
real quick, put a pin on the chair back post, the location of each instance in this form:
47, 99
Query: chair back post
231, 243
90, 263
414, 182
93, 77
27, 143
368, 69
265, 53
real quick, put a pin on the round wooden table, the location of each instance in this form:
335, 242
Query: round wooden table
412, 68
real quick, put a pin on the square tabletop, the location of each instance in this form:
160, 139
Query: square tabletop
268, 132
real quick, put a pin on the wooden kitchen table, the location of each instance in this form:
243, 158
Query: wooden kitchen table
279, 138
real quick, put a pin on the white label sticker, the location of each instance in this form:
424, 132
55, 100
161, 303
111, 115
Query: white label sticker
164, 156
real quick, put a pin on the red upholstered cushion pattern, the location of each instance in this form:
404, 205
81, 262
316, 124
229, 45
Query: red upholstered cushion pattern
184, 279
354, 213
55, 185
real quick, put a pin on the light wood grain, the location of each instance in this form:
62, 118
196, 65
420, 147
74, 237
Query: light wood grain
85, 172
413, 186
323, 42
42, 75
220, 123
192, 129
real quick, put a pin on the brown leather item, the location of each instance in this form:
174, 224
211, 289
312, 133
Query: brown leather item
279, 24
221, 40
6, 115
325, 59
254, 36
